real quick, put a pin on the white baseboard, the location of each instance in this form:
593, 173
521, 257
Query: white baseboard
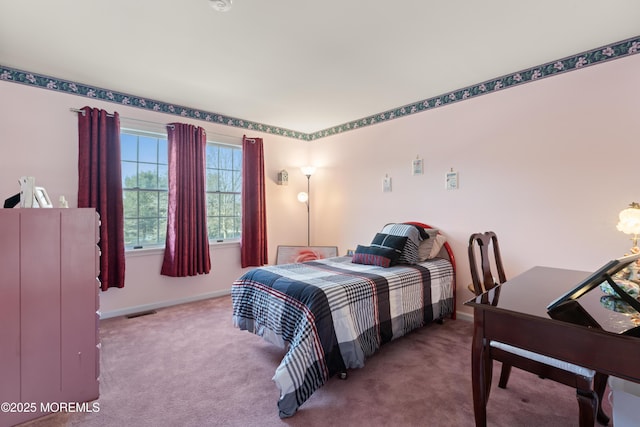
467, 317
154, 306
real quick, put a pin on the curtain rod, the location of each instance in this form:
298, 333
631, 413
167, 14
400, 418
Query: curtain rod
75, 110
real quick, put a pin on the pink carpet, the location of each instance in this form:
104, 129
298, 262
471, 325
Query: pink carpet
188, 366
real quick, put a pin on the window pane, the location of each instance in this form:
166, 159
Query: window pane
226, 180
145, 185
224, 185
148, 204
237, 182
129, 172
228, 228
162, 232
212, 156
130, 204
213, 204
148, 230
147, 175
227, 206
128, 147
148, 149
226, 158
237, 159
163, 151
163, 177
163, 204
237, 201
212, 180
130, 232
213, 228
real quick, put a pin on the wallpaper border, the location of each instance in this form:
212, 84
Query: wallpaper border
571, 63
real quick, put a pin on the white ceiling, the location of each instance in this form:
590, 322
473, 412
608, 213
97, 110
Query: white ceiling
295, 64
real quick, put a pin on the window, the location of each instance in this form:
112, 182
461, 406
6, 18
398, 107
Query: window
223, 187
145, 189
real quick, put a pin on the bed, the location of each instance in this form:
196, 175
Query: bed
332, 314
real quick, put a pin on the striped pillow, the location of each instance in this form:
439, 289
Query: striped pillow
372, 255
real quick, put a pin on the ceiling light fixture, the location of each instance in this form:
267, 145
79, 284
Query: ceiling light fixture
221, 5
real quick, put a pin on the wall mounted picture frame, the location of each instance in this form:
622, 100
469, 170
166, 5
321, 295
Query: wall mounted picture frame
297, 254
452, 182
386, 184
417, 167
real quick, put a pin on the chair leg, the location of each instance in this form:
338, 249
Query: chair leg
504, 375
599, 386
588, 405
488, 372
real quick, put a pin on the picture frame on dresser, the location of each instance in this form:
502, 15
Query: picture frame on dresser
42, 198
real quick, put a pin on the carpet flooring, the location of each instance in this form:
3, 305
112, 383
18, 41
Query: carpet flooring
188, 366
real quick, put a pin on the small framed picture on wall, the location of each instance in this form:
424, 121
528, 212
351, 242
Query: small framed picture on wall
417, 167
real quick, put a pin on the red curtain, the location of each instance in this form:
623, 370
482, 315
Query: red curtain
187, 246
100, 187
253, 245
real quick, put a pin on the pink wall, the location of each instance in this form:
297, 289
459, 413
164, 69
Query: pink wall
547, 165
38, 136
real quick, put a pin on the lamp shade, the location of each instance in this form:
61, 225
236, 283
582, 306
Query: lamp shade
308, 170
303, 197
630, 219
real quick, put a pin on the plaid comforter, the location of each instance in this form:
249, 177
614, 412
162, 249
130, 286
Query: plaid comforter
333, 314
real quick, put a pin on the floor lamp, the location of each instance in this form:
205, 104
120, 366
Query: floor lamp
304, 198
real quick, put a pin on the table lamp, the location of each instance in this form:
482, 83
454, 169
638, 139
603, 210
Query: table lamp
630, 224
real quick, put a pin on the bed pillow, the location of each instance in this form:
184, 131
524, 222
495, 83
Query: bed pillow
438, 243
409, 253
389, 241
374, 255
426, 245
430, 248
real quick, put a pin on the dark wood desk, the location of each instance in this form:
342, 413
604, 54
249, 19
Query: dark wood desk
515, 313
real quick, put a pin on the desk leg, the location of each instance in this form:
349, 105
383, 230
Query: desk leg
480, 371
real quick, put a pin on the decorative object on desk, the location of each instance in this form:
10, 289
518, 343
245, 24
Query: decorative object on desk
62, 202
27, 189
631, 288
606, 273
283, 177
12, 201
296, 254
619, 306
417, 167
42, 199
304, 198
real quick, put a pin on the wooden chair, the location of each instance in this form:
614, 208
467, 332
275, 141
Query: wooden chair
589, 384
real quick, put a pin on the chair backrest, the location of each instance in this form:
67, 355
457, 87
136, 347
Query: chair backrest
482, 274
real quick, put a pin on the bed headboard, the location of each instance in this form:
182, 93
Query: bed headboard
451, 258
